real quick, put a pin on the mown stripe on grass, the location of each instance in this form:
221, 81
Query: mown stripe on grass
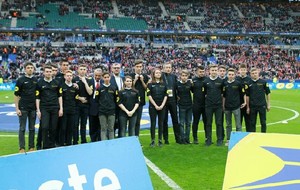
162, 175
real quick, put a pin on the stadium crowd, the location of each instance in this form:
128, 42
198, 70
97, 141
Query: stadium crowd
273, 62
205, 16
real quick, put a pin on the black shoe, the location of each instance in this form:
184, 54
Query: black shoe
219, 143
152, 144
208, 143
188, 142
167, 142
196, 142
160, 144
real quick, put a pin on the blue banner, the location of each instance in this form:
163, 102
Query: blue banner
284, 85
151, 31
7, 86
112, 164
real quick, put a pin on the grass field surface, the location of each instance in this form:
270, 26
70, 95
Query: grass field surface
193, 167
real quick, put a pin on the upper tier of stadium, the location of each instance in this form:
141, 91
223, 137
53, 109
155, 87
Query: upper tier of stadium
167, 15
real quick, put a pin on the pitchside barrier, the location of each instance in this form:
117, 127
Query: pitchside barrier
106, 165
273, 85
263, 161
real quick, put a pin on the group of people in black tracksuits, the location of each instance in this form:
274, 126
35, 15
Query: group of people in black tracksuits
113, 105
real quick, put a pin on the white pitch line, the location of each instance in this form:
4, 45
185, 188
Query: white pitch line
286, 120
162, 175
296, 115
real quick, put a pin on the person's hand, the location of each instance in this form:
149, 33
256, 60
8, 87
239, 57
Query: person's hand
75, 85
141, 77
136, 77
268, 108
83, 79
19, 113
83, 100
130, 113
157, 107
248, 111
60, 113
243, 105
38, 113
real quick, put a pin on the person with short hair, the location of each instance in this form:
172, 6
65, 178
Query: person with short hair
157, 93
25, 105
213, 89
69, 93
185, 104
128, 101
258, 100
94, 122
232, 92
82, 103
244, 80
107, 97
140, 81
117, 81
222, 75
170, 80
198, 102
49, 106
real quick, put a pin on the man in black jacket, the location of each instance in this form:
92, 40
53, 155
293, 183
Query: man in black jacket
198, 102
25, 105
140, 81
49, 106
213, 89
94, 123
170, 80
82, 104
258, 100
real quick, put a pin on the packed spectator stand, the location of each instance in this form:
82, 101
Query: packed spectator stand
276, 55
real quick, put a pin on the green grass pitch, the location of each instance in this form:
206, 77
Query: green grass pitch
192, 167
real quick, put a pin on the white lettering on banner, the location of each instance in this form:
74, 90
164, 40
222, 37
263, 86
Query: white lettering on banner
52, 185
76, 181
115, 184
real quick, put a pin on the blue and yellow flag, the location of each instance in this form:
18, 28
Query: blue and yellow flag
263, 161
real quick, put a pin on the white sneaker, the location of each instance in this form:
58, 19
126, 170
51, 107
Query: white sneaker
227, 143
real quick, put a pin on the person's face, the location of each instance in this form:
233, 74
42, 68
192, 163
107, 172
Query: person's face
29, 70
68, 77
128, 83
231, 75
64, 66
106, 79
213, 71
138, 68
254, 74
200, 73
243, 71
222, 72
54, 71
157, 74
48, 73
116, 69
183, 77
81, 71
97, 75
167, 68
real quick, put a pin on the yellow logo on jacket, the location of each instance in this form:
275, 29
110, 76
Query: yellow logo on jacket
263, 161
